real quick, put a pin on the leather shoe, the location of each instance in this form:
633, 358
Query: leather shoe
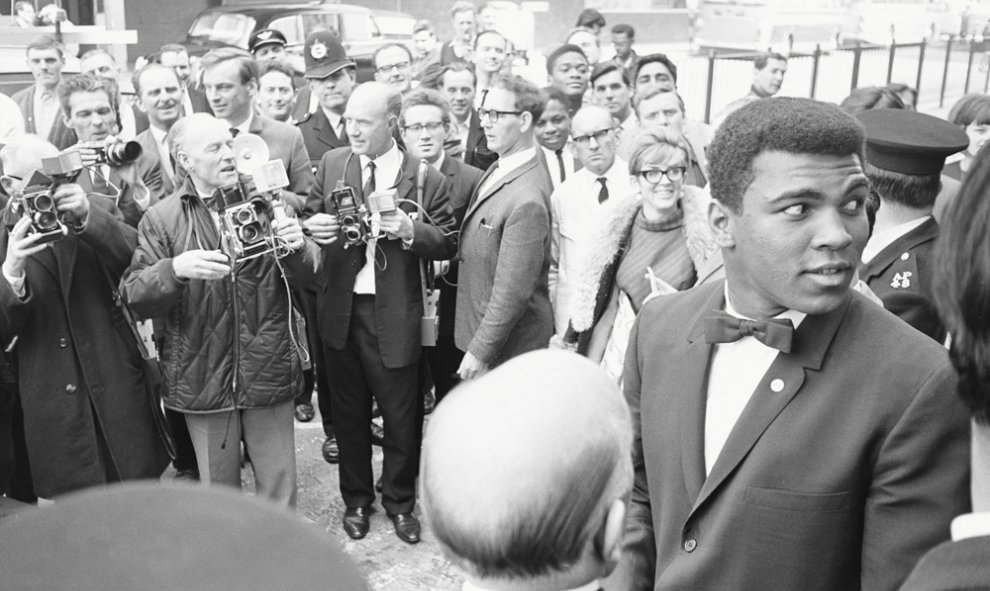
406, 527
356, 522
377, 434
331, 453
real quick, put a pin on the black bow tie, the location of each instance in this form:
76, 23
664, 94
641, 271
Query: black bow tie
725, 328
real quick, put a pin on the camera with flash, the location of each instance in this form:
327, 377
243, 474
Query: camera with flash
356, 218
37, 192
248, 212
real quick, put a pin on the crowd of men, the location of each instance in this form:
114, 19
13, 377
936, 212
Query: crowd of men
790, 422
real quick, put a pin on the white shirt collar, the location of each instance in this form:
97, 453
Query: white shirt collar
439, 161
631, 121
333, 118
882, 240
971, 525
592, 586
619, 169
794, 316
390, 159
158, 134
246, 126
510, 163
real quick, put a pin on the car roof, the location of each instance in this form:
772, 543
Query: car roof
265, 9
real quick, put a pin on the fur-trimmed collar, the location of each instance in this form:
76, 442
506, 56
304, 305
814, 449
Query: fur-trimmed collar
606, 239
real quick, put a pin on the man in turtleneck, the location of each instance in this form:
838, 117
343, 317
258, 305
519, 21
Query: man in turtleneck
555, 437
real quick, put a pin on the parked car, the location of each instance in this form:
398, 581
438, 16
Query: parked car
232, 25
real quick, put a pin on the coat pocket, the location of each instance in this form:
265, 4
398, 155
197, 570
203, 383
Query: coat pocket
792, 500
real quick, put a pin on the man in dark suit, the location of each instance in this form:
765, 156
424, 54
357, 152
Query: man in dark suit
905, 151
769, 457
39, 102
88, 110
458, 83
176, 57
230, 78
503, 302
370, 304
545, 509
159, 95
425, 119
331, 78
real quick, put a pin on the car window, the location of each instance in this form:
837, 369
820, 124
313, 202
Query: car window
291, 27
225, 27
321, 20
358, 27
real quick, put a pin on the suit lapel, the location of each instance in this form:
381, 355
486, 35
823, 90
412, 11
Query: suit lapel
693, 370
782, 381
325, 133
484, 196
923, 233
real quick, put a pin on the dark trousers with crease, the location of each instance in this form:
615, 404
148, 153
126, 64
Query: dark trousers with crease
357, 374
307, 299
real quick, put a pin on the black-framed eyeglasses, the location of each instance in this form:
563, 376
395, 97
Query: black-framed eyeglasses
398, 66
583, 140
431, 127
673, 174
492, 115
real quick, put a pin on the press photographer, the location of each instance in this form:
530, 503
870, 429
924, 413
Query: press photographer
86, 413
371, 309
117, 170
230, 355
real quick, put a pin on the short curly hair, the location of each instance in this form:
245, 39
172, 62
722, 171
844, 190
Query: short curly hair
784, 124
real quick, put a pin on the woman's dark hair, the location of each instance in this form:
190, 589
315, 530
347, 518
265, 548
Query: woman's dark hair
590, 17
962, 286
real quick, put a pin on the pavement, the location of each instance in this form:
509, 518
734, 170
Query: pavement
387, 563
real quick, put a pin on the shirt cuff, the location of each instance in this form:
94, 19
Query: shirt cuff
16, 283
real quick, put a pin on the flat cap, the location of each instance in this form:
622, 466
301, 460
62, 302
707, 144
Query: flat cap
324, 55
909, 142
266, 37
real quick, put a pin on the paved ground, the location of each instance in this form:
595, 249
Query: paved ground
388, 563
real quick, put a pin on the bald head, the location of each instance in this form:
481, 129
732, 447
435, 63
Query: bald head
23, 154
542, 444
594, 148
371, 115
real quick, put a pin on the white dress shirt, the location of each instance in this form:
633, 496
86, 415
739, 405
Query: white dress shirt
336, 121
575, 215
553, 166
737, 369
245, 126
46, 109
882, 240
506, 165
387, 168
187, 106
164, 158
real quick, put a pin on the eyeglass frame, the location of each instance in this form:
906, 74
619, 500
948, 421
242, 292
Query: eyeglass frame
583, 140
493, 115
397, 66
663, 173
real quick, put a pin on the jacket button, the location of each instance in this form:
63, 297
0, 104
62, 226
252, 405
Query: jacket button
70, 388
63, 343
690, 544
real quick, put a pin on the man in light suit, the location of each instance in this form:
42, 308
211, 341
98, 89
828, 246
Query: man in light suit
370, 304
88, 109
424, 123
503, 303
828, 456
230, 78
39, 102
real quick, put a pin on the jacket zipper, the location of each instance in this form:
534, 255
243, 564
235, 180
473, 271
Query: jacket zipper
236, 333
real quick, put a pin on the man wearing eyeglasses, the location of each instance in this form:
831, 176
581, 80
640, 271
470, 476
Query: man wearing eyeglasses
581, 200
503, 303
393, 66
424, 123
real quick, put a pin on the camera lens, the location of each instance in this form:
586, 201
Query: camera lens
245, 216
249, 233
352, 234
44, 203
45, 221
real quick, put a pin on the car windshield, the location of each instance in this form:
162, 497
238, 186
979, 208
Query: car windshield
224, 27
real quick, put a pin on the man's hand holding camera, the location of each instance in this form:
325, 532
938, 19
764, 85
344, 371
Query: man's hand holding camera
323, 228
290, 230
201, 264
72, 204
398, 224
20, 246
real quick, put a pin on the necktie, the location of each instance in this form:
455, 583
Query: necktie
560, 164
100, 184
369, 185
725, 328
603, 192
342, 135
234, 131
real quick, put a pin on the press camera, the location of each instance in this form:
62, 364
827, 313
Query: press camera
116, 153
37, 195
356, 219
248, 210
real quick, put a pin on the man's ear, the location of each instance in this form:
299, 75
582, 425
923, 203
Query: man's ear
611, 535
720, 218
7, 184
527, 121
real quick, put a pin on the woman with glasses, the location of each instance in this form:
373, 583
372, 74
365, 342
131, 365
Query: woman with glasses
650, 243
